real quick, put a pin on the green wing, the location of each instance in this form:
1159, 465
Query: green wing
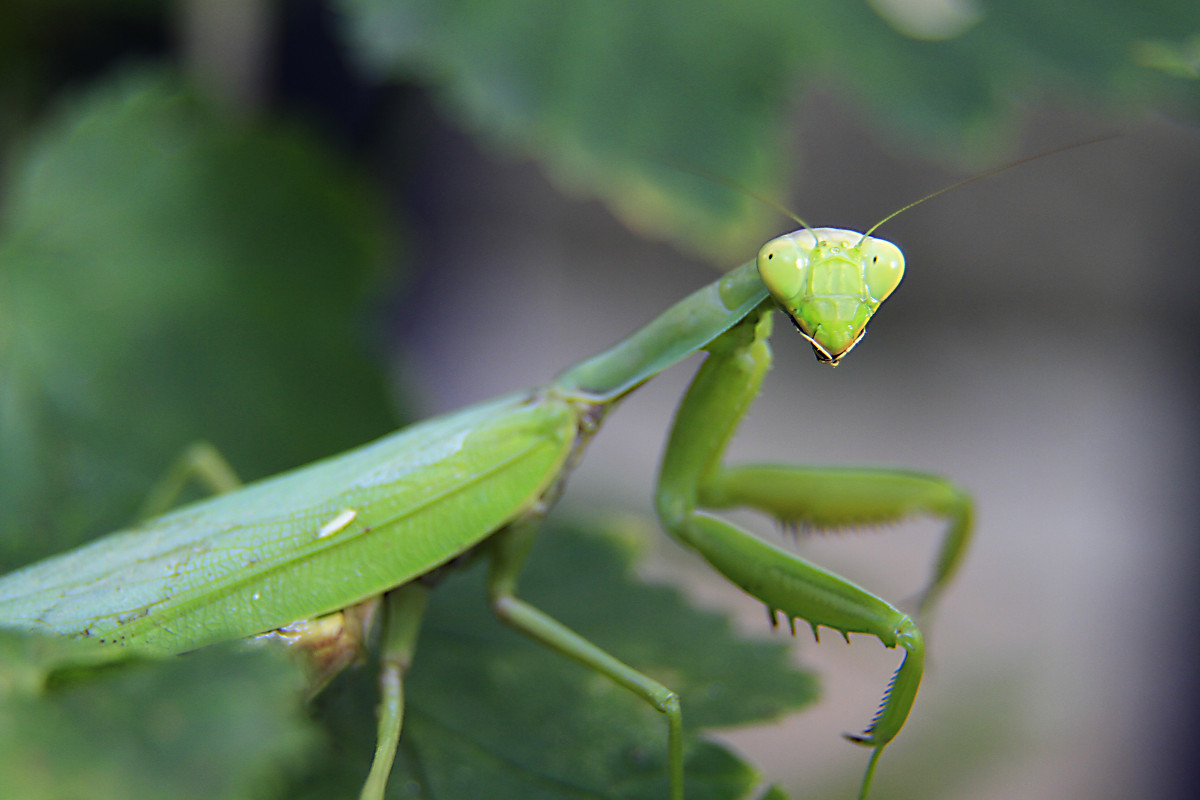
306, 542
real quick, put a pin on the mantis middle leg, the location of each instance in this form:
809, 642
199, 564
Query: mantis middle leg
403, 609
335, 640
693, 478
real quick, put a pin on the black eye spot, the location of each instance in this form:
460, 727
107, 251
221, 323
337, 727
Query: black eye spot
770, 256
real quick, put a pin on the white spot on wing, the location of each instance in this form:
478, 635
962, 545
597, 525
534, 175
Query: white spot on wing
339, 522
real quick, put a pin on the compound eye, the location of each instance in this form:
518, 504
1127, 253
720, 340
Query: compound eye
782, 265
883, 268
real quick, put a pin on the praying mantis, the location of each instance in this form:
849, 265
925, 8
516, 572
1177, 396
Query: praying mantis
316, 556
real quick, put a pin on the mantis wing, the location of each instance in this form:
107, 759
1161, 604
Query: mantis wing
304, 543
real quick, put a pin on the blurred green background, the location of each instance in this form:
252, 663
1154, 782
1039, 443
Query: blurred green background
287, 227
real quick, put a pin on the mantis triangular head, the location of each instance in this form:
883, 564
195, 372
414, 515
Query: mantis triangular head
829, 282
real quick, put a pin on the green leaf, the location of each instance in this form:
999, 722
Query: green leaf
224, 722
603, 92
489, 713
169, 275
29, 663
1179, 59
607, 94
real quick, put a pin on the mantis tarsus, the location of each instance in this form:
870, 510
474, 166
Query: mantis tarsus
309, 556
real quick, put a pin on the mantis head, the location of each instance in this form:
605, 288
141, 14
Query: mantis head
830, 282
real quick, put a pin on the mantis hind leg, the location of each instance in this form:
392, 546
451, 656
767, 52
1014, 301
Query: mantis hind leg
692, 478
200, 462
509, 548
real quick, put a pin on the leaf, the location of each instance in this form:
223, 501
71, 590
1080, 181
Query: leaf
29, 663
1178, 59
489, 713
602, 92
608, 94
139, 728
168, 275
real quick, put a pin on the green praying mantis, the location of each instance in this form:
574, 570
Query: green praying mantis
316, 556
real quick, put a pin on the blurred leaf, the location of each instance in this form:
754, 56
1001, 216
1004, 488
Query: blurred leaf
604, 91
490, 713
1179, 60
167, 275
44, 43
151, 728
963, 90
29, 663
608, 94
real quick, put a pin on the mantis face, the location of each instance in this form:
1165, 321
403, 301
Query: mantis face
829, 282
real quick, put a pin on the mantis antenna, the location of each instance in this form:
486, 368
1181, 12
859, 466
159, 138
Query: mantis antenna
980, 176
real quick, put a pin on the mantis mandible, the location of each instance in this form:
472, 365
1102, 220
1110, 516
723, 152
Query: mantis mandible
311, 557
